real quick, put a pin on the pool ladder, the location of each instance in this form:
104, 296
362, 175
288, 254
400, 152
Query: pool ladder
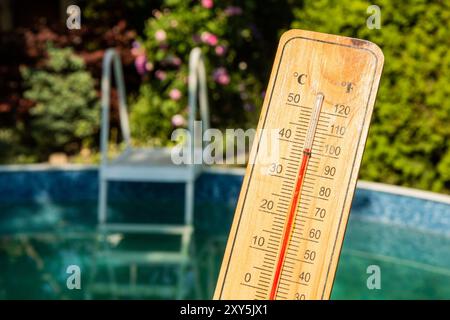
149, 165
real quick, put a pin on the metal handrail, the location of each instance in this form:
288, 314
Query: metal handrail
197, 90
197, 96
197, 77
111, 56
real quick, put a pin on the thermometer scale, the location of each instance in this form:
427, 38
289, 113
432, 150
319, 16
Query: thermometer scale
293, 208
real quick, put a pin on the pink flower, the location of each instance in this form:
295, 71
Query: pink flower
208, 4
233, 11
178, 120
140, 63
175, 94
160, 75
221, 76
175, 61
220, 50
209, 38
212, 40
160, 35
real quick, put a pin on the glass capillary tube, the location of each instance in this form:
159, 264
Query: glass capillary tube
313, 123
296, 194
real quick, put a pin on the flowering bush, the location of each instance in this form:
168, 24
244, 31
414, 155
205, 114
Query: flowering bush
223, 33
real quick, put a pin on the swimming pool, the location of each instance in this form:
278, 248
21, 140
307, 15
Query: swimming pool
48, 219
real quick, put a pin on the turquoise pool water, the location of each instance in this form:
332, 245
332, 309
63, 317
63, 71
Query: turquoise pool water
419, 269
41, 233
32, 264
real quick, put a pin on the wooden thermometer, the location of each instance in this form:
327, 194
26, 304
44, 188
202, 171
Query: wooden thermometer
293, 208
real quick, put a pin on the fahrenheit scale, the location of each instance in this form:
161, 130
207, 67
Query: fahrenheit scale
293, 208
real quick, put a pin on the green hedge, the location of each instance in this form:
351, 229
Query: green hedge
409, 138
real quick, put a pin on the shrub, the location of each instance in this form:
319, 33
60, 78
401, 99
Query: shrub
66, 109
409, 140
